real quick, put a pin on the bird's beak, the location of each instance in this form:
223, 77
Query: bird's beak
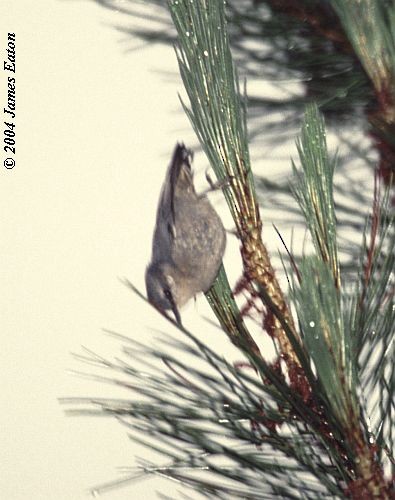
176, 312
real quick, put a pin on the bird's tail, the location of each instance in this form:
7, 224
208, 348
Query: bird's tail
179, 179
180, 169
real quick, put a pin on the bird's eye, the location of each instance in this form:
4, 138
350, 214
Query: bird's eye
168, 294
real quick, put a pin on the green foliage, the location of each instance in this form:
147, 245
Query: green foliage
371, 323
217, 419
370, 28
217, 112
314, 190
317, 294
325, 338
222, 302
348, 329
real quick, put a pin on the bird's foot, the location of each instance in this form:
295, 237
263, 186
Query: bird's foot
214, 185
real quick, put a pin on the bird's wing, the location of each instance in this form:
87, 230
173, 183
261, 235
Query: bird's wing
179, 180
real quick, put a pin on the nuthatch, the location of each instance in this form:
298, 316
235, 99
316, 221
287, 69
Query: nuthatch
189, 240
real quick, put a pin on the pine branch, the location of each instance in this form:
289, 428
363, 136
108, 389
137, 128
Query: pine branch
314, 190
215, 418
221, 300
218, 116
372, 324
370, 26
330, 336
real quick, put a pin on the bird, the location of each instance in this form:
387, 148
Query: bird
188, 243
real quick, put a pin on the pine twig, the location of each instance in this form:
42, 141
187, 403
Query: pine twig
218, 116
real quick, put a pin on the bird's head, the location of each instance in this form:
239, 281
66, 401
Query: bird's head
167, 288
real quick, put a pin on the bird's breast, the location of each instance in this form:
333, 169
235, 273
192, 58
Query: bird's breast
200, 240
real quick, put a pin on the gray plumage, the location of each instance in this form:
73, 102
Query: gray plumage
189, 239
